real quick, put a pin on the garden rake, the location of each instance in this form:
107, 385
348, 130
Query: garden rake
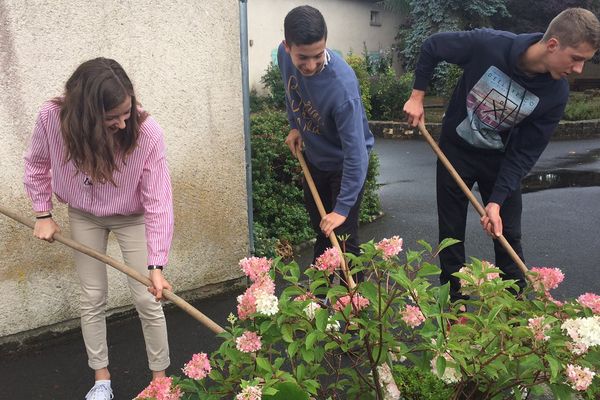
178, 301
478, 207
319, 203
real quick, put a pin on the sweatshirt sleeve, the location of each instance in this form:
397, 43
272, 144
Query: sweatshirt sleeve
283, 61
524, 150
38, 177
453, 47
348, 119
157, 199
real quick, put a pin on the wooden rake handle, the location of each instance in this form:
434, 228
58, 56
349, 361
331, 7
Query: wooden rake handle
478, 207
181, 303
319, 203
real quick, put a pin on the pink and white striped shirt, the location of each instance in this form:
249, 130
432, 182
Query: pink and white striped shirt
143, 184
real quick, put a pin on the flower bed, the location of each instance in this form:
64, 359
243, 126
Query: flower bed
395, 334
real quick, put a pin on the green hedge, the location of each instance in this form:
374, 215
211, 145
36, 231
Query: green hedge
279, 213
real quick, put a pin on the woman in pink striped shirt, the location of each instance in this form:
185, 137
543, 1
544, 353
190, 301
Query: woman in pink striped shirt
105, 157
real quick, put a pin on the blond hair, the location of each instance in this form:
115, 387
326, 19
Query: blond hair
573, 27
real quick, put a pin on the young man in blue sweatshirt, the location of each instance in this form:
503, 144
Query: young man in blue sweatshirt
326, 114
502, 113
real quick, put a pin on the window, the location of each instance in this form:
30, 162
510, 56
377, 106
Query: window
375, 18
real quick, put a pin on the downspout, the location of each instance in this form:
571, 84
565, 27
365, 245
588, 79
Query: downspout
246, 105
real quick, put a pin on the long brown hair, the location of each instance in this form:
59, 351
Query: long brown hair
97, 86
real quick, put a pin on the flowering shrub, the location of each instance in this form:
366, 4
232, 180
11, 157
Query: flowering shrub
320, 340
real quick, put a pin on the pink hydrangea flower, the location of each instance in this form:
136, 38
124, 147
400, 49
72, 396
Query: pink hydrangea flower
250, 393
580, 378
358, 302
538, 328
246, 305
390, 247
547, 278
263, 284
249, 342
591, 301
413, 316
160, 389
255, 267
198, 367
329, 261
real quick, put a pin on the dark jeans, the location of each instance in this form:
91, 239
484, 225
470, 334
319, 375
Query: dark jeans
480, 167
328, 184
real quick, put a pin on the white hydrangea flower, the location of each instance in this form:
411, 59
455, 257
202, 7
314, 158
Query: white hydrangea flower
266, 304
585, 332
310, 309
333, 326
451, 375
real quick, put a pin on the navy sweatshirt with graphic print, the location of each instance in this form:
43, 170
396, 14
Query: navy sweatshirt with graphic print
327, 110
495, 106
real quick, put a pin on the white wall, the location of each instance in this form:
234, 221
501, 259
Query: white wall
348, 25
183, 57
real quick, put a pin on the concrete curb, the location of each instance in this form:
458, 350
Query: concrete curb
567, 130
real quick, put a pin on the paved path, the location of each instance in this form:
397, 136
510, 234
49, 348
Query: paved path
560, 229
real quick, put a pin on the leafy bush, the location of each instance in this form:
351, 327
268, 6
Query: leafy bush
388, 95
360, 69
370, 207
492, 346
444, 79
416, 384
582, 106
279, 213
273, 82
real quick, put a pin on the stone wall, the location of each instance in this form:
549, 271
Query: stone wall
566, 130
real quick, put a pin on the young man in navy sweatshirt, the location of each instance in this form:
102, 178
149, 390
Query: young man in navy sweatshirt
326, 114
502, 113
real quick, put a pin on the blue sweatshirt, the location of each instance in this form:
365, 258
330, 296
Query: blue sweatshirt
327, 110
495, 107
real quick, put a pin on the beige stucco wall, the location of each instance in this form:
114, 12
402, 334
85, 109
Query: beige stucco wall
183, 56
348, 25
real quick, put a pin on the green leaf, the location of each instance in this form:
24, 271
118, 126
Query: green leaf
293, 348
494, 313
554, 365
311, 338
446, 243
368, 290
443, 295
286, 333
428, 269
561, 392
425, 244
440, 365
321, 317
287, 391
264, 364
300, 372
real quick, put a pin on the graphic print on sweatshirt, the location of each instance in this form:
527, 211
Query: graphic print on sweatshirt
495, 104
306, 115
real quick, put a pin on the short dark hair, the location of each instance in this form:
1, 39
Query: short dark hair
304, 25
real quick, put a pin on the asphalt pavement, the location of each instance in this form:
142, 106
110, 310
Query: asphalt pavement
560, 229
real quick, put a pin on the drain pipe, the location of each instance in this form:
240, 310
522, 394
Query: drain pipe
246, 105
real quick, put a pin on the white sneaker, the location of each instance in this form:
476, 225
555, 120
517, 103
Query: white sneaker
100, 391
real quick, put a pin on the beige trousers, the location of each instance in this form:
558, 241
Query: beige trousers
130, 232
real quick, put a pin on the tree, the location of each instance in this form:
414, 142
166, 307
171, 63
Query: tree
535, 15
